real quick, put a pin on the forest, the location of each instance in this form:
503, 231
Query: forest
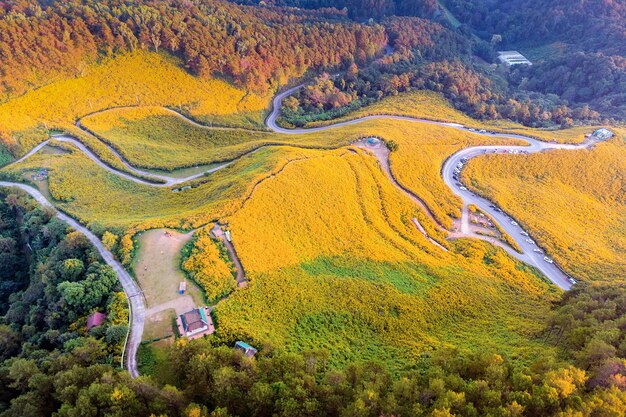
256, 47
363, 9
582, 88
49, 365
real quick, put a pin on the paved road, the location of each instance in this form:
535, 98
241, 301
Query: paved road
137, 306
550, 270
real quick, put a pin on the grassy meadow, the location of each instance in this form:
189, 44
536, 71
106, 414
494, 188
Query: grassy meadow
574, 202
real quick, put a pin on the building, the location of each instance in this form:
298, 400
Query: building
195, 323
510, 58
217, 231
247, 350
603, 134
95, 320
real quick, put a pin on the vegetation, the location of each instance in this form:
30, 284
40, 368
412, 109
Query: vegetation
315, 275
354, 311
586, 323
156, 138
572, 201
416, 164
221, 382
206, 261
582, 25
52, 279
140, 78
429, 105
257, 47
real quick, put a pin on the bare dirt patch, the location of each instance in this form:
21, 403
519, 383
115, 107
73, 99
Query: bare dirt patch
158, 271
158, 267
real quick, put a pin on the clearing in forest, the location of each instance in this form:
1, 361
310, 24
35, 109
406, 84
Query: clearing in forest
157, 269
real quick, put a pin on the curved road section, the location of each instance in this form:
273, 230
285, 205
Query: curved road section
135, 297
531, 253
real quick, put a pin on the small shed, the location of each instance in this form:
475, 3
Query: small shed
247, 350
95, 320
182, 287
217, 231
603, 134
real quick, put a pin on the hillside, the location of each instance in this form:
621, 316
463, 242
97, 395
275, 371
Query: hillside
140, 78
575, 202
317, 275
299, 208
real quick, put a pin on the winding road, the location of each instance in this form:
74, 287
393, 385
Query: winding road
133, 292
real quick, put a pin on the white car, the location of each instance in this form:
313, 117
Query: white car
532, 242
523, 233
513, 222
463, 188
537, 250
548, 260
571, 280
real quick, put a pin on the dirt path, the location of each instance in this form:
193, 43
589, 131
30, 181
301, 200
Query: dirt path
552, 271
220, 234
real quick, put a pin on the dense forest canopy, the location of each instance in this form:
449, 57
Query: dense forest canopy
261, 47
595, 25
363, 9
257, 47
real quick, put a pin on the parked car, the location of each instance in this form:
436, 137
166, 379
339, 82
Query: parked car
513, 222
482, 131
532, 242
523, 233
571, 280
548, 260
463, 188
537, 250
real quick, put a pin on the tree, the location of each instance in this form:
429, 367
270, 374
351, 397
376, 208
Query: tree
109, 240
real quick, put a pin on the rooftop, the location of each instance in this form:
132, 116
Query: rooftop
511, 58
194, 320
95, 320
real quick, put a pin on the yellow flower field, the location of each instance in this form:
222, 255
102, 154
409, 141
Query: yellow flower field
209, 267
140, 78
335, 262
153, 137
433, 106
574, 202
